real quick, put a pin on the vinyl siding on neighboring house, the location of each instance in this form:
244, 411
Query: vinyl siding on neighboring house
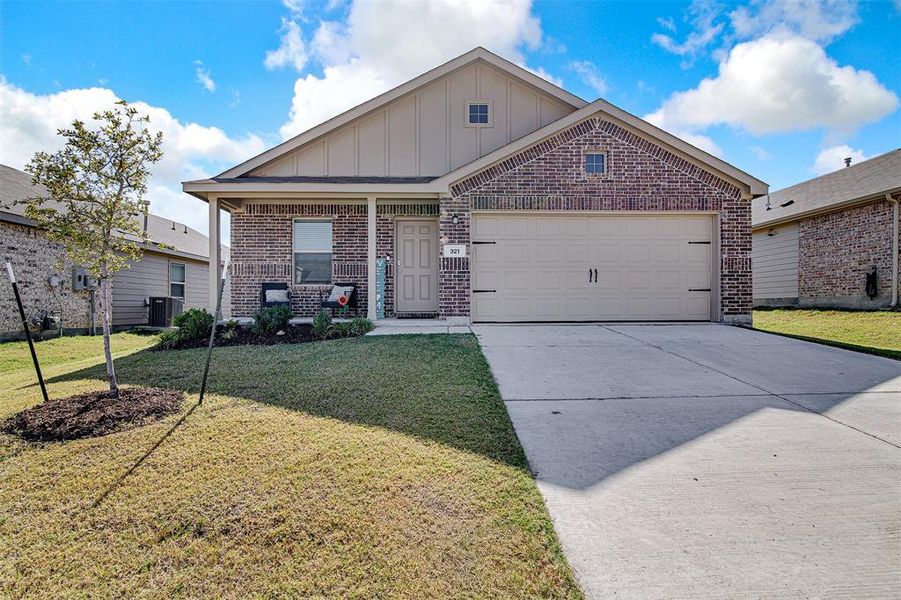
150, 277
775, 262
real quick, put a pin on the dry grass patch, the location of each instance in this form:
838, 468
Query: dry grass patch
371, 467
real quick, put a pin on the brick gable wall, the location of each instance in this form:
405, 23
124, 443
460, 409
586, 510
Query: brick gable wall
837, 250
641, 176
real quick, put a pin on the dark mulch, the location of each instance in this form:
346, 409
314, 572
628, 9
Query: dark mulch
93, 414
244, 336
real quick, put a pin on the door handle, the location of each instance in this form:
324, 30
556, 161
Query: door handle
589, 275
595, 275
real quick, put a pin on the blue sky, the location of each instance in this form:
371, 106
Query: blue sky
783, 89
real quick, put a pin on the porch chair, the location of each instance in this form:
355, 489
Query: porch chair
275, 294
338, 289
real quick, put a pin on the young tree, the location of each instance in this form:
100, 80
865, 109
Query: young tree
96, 186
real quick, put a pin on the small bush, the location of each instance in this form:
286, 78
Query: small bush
322, 324
193, 324
229, 330
361, 326
271, 320
169, 338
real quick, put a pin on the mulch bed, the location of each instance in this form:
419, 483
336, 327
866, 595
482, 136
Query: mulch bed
93, 414
244, 336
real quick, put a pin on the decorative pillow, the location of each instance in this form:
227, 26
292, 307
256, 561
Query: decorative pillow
338, 291
276, 295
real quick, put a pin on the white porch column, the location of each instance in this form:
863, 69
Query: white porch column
215, 253
370, 259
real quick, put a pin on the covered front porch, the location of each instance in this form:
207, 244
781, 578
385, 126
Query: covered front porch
386, 245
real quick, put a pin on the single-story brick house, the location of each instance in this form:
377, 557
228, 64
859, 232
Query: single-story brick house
47, 279
492, 195
816, 243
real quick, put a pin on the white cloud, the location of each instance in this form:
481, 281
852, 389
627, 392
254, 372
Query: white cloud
590, 76
365, 55
667, 23
761, 153
28, 124
833, 159
819, 20
292, 51
778, 83
26, 58
204, 77
703, 16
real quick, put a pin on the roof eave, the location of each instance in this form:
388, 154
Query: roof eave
202, 189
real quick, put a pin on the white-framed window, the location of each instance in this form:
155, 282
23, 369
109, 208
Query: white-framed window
478, 113
177, 278
596, 163
312, 251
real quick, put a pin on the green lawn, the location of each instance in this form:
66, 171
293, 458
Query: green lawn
368, 467
873, 332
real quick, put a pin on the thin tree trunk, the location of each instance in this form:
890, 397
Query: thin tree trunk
106, 312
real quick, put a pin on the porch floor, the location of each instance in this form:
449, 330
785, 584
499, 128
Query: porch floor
395, 326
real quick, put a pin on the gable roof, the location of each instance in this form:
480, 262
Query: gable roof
16, 186
369, 106
863, 181
708, 161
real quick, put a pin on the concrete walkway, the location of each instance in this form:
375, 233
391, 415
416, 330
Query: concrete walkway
709, 461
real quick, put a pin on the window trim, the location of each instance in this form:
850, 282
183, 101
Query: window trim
468, 103
183, 284
603, 153
294, 253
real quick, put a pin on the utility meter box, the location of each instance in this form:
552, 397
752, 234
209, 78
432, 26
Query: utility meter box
81, 280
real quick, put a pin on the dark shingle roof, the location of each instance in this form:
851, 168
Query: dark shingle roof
866, 179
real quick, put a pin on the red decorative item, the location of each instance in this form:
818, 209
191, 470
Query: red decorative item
342, 300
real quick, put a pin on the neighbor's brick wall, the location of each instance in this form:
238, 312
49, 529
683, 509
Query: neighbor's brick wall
261, 251
838, 249
641, 176
35, 259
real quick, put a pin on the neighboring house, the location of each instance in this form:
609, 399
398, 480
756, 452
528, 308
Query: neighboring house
492, 195
46, 278
816, 242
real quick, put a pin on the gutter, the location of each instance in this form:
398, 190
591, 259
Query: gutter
894, 201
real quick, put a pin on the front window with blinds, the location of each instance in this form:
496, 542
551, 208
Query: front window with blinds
312, 251
177, 280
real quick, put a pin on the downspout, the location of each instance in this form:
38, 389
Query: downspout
894, 249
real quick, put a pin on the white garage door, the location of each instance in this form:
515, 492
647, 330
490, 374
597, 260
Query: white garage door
591, 268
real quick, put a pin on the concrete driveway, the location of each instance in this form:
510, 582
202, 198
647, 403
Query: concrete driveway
709, 461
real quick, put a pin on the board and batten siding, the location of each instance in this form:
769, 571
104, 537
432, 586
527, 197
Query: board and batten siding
149, 277
425, 133
774, 260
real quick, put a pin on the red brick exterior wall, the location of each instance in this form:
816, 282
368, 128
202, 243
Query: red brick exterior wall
837, 250
261, 251
640, 176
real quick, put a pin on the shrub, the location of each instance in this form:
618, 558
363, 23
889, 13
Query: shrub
322, 324
193, 324
271, 320
168, 338
229, 330
361, 326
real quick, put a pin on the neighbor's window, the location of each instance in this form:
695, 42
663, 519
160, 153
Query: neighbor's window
595, 163
312, 251
177, 279
478, 113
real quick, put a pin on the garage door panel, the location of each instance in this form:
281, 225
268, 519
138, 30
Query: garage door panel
592, 267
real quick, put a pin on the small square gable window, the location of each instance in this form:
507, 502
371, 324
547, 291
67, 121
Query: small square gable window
478, 113
595, 163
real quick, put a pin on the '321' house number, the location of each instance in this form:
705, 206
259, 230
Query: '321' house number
454, 251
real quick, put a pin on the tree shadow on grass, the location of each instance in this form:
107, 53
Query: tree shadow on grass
437, 388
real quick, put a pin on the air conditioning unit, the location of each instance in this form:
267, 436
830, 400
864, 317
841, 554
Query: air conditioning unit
163, 309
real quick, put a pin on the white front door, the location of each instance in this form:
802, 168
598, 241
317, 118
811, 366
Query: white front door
417, 266
616, 267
